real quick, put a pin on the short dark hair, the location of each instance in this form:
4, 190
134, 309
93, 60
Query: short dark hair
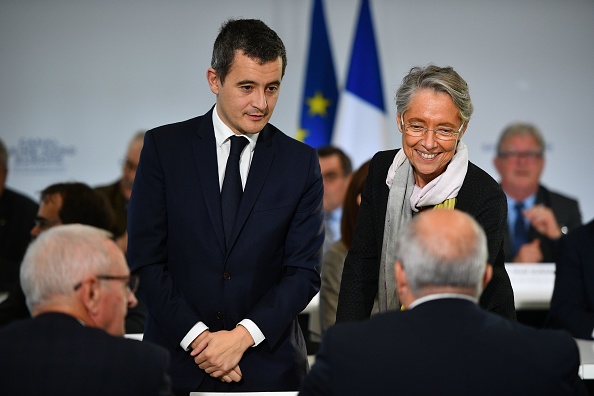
253, 37
345, 161
81, 204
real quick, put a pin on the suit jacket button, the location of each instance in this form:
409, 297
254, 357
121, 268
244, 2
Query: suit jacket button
227, 275
219, 315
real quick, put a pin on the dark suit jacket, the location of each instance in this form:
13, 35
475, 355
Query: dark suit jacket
54, 354
270, 273
17, 214
567, 214
480, 196
444, 347
572, 304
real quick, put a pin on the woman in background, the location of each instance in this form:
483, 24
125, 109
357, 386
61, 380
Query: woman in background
333, 260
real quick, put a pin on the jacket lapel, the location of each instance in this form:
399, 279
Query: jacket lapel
205, 157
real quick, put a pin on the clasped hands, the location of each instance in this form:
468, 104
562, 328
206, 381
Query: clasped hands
542, 220
218, 353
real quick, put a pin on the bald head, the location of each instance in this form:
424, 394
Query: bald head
442, 251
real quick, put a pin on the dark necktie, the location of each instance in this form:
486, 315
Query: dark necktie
520, 233
232, 190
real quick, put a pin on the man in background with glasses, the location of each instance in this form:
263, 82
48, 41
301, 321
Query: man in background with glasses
74, 202
537, 217
78, 288
118, 193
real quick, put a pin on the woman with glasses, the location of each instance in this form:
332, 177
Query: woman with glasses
431, 171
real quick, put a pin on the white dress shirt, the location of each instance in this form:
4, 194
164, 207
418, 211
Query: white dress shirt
222, 135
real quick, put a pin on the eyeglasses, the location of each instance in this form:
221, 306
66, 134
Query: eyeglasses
44, 223
528, 155
131, 281
442, 133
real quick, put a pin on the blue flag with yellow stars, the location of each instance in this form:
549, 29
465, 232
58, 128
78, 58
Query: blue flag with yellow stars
320, 95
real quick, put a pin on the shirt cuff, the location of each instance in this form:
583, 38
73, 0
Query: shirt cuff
192, 334
254, 331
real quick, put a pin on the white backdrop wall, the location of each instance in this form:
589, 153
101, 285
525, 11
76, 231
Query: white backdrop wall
79, 78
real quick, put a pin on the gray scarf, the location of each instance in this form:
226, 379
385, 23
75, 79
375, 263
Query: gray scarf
403, 195
398, 213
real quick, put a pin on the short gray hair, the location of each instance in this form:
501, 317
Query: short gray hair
520, 129
431, 261
61, 257
439, 79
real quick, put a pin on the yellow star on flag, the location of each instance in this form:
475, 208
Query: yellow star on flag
318, 104
301, 134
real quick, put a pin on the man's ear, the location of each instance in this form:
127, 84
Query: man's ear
488, 275
213, 80
402, 287
91, 295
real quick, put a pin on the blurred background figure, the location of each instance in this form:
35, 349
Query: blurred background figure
537, 217
17, 213
572, 304
78, 288
336, 170
333, 259
74, 202
118, 193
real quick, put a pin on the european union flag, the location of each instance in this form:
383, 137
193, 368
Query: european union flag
320, 95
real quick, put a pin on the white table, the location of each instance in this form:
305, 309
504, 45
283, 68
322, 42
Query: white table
532, 284
586, 347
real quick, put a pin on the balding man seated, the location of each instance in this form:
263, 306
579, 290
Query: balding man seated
78, 288
443, 343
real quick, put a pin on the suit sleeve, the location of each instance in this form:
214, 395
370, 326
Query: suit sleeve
570, 306
300, 280
147, 247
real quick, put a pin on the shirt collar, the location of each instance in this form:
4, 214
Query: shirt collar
223, 132
528, 202
439, 296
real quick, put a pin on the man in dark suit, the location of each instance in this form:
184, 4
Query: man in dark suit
224, 290
572, 305
443, 343
78, 288
118, 193
537, 217
17, 213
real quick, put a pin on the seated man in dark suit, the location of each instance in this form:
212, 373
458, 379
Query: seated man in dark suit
537, 217
17, 213
78, 288
443, 343
572, 305
118, 193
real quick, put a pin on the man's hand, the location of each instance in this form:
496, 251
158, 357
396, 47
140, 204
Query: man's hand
529, 253
219, 353
543, 220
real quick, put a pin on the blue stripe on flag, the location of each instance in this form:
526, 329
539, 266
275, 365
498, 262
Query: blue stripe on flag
320, 95
364, 79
